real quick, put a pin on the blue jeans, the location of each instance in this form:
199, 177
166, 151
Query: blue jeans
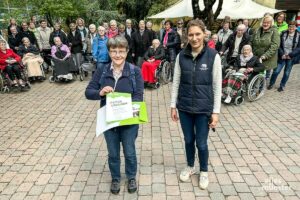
195, 128
127, 136
287, 70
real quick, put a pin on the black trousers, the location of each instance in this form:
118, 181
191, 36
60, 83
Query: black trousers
13, 72
47, 56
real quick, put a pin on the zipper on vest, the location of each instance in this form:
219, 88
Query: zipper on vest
193, 82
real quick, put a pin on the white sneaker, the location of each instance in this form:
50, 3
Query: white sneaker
203, 180
228, 99
186, 173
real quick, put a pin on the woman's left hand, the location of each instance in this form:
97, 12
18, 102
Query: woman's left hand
214, 120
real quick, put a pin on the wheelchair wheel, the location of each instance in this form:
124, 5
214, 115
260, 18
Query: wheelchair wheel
239, 100
165, 74
51, 79
156, 85
1, 82
256, 88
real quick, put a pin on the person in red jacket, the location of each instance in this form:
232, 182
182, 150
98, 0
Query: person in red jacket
9, 63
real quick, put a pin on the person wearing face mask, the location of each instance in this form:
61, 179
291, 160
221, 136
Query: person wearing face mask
141, 41
280, 24
196, 95
235, 43
288, 55
265, 43
75, 43
152, 57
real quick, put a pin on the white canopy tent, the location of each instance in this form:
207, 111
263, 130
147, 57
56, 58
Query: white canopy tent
236, 9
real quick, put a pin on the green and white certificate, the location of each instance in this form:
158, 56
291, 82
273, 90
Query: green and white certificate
118, 106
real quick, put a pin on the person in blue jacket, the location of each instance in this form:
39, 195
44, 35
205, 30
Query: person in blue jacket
119, 76
100, 52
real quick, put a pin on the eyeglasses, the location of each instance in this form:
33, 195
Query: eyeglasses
115, 53
179, 23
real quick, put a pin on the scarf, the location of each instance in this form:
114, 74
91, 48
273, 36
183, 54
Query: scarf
111, 33
166, 37
244, 59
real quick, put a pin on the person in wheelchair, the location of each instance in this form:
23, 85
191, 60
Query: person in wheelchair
10, 64
63, 63
244, 69
31, 59
152, 58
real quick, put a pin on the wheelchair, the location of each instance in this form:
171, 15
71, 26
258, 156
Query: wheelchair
6, 84
163, 73
253, 87
64, 76
88, 65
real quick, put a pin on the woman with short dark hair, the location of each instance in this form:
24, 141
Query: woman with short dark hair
117, 76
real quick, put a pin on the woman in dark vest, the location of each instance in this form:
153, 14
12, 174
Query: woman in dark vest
196, 95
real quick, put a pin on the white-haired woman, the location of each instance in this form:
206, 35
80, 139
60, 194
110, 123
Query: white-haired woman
113, 29
246, 64
90, 38
265, 43
152, 58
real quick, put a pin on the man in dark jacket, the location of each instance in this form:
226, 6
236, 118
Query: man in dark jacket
129, 31
26, 33
75, 42
235, 43
141, 41
57, 32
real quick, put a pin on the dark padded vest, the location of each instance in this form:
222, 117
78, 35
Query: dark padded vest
195, 93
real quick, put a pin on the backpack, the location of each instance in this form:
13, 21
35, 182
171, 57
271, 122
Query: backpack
132, 75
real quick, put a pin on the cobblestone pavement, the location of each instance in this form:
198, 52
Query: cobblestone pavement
48, 148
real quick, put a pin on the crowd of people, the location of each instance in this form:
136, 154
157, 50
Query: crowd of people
126, 59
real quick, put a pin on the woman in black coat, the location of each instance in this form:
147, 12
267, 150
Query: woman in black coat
75, 42
58, 33
171, 43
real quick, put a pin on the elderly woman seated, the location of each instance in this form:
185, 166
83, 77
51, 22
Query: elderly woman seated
9, 63
246, 66
152, 57
31, 59
63, 64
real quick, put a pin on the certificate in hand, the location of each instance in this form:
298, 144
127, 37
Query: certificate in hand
118, 106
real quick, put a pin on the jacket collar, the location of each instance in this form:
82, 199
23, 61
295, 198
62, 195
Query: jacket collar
188, 50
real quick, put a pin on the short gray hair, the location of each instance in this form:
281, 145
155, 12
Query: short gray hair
242, 26
117, 42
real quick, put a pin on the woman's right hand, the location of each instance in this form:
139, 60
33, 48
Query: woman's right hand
106, 90
174, 115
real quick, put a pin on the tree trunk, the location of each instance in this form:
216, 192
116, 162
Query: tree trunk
207, 14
